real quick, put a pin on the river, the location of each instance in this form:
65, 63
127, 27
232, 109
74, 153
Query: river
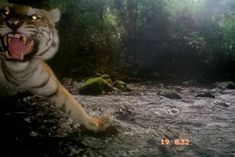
146, 124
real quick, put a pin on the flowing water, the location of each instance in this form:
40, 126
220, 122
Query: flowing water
145, 125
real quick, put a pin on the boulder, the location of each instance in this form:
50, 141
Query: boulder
120, 85
226, 85
171, 94
206, 94
95, 86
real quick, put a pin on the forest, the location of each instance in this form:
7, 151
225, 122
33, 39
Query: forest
162, 70
149, 39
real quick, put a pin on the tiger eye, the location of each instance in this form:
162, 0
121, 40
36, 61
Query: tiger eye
5, 12
34, 17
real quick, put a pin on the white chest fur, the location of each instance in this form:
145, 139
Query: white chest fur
13, 76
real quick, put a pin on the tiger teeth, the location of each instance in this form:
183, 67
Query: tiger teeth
17, 36
5, 40
9, 40
24, 40
9, 37
7, 54
14, 36
22, 56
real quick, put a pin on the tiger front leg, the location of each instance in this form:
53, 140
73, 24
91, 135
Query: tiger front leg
55, 93
63, 99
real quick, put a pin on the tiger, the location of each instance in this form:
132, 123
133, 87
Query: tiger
28, 39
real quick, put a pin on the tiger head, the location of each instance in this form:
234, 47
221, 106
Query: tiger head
28, 33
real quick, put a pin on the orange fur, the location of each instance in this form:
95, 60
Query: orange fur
75, 109
32, 73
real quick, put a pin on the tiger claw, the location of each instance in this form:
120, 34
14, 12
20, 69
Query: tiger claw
99, 124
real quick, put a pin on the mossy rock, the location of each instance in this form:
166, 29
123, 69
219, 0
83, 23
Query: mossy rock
226, 85
121, 85
95, 86
171, 94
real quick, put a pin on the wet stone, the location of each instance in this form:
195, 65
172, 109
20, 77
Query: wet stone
226, 85
171, 94
208, 95
223, 104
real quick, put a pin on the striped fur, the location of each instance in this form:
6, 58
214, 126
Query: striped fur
33, 74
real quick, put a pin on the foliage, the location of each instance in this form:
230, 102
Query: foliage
90, 39
188, 38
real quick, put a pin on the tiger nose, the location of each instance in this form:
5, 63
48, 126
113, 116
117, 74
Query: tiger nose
14, 24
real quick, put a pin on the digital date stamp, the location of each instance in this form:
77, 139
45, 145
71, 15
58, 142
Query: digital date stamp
176, 142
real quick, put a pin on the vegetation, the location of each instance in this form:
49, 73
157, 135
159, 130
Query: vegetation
95, 86
180, 38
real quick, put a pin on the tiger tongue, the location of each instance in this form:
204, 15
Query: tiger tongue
17, 49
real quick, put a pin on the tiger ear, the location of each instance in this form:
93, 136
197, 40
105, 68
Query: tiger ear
55, 15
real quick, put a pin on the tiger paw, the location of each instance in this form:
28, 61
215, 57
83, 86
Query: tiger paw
99, 124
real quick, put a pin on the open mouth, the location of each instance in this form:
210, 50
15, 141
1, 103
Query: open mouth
18, 45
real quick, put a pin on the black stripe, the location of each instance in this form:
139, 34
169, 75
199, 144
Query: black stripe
63, 107
29, 74
48, 42
54, 92
69, 112
9, 77
45, 30
53, 45
44, 51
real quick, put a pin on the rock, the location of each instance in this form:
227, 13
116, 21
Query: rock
95, 86
33, 134
223, 104
226, 85
206, 94
171, 94
230, 86
125, 113
121, 85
